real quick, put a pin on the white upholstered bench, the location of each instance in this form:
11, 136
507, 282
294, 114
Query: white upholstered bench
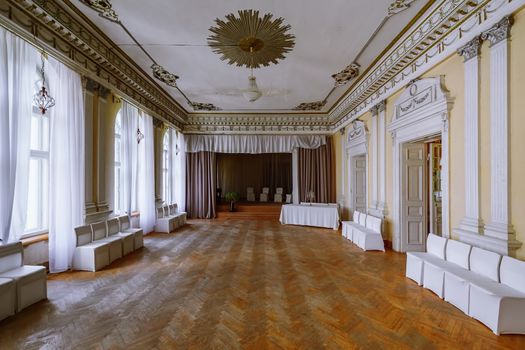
128, 238
100, 234
30, 281
7, 297
482, 284
364, 231
138, 233
89, 255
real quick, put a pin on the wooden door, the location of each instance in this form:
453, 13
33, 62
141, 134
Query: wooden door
359, 183
414, 197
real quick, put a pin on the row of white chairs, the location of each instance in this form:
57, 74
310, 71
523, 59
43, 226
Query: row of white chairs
101, 243
169, 219
481, 283
20, 285
364, 231
263, 197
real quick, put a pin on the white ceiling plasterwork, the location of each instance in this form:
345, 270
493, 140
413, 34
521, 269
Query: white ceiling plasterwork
327, 38
445, 26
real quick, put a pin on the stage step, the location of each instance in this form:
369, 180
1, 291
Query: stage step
255, 211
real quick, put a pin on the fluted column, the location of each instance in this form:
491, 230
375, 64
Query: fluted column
470, 52
500, 225
378, 160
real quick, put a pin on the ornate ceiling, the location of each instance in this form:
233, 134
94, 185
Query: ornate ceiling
336, 70
306, 53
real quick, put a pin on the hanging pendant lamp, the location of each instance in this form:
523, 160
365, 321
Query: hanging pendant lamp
253, 93
42, 100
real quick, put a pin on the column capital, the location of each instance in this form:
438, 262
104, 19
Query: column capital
342, 130
498, 32
470, 49
378, 108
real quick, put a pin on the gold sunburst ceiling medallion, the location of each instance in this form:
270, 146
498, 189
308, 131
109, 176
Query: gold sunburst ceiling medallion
251, 41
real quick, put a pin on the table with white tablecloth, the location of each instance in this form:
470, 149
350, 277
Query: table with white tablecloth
319, 215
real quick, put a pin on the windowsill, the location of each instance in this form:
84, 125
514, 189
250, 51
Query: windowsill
42, 237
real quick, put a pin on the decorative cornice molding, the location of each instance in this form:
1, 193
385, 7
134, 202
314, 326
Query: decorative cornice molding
256, 123
103, 7
51, 24
432, 40
499, 32
350, 72
310, 106
197, 106
398, 6
163, 75
471, 49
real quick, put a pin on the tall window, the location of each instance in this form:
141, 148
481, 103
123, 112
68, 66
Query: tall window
118, 198
166, 182
37, 198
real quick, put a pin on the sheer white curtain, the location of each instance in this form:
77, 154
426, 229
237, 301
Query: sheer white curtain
129, 154
146, 178
18, 61
66, 164
179, 171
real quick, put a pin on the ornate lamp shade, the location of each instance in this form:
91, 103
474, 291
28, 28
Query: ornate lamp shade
42, 100
253, 93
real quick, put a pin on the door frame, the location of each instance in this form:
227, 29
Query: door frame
421, 111
356, 145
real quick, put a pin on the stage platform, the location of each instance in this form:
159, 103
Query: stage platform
250, 211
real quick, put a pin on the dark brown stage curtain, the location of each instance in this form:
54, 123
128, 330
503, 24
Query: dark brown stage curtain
317, 172
236, 172
200, 185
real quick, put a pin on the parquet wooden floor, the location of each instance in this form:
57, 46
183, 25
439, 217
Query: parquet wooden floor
241, 284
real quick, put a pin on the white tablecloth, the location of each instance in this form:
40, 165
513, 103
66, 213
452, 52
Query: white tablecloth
310, 215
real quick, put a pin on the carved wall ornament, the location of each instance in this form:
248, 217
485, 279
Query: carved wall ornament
350, 72
378, 108
251, 41
103, 7
500, 31
471, 49
310, 106
357, 129
197, 106
398, 6
163, 75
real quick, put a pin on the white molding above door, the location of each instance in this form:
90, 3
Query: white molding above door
422, 110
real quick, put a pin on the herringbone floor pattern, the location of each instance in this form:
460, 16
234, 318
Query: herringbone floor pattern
241, 284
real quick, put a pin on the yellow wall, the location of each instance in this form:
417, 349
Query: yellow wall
517, 129
452, 69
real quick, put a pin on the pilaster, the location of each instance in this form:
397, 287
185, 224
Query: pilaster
472, 222
500, 226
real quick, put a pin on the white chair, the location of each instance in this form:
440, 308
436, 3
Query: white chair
435, 252
137, 232
500, 306
369, 237
288, 199
349, 225
30, 281
278, 196
128, 238
264, 195
456, 287
115, 242
89, 255
164, 223
250, 194
7, 297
